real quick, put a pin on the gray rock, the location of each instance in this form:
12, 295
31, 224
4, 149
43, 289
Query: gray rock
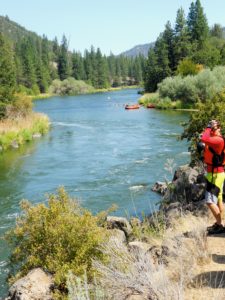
119, 223
159, 187
188, 186
159, 254
36, 135
36, 285
14, 144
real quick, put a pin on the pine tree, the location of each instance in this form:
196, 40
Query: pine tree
150, 74
102, 70
168, 37
111, 60
182, 39
7, 75
77, 66
26, 53
197, 24
217, 31
137, 70
63, 60
161, 50
88, 68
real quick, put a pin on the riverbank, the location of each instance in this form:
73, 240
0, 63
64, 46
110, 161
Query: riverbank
167, 253
15, 132
154, 99
94, 91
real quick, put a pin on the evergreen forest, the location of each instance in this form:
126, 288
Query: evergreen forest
31, 64
186, 48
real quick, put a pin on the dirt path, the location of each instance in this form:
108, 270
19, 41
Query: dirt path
209, 283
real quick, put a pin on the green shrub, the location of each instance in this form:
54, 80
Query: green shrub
26, 135
149, 98
7, 139
60, 237
169, 87
70, 86
20, 107
190, 89
166, 103
207, 85
187, 67
41, 125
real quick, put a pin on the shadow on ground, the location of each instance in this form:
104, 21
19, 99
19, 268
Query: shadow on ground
213, 279
220, 259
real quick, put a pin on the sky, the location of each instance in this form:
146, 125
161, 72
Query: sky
114, 26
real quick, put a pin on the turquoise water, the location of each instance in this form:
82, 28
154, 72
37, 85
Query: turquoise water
99, 151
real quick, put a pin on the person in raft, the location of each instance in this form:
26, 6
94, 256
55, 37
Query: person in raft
214, 159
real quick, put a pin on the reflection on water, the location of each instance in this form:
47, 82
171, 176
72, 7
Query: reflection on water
99, 151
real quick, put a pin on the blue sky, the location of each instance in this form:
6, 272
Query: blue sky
111, 25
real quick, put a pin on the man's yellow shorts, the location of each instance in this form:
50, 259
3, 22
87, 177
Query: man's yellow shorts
214, 187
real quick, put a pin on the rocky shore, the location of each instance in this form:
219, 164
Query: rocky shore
184, 195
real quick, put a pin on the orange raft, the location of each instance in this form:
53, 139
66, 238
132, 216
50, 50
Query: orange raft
134, 106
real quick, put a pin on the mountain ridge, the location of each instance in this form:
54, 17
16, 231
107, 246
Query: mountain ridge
14, 31
141, 49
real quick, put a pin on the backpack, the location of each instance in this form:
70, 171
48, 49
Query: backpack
218, 160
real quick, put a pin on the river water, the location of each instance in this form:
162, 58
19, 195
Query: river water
100, 152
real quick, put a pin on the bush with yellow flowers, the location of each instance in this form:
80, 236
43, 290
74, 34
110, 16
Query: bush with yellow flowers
59, 237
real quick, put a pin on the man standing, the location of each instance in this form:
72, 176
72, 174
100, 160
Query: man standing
213, 157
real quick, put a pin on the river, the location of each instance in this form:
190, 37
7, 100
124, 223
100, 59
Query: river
100, 152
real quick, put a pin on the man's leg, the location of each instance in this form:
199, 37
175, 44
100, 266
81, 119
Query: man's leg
216, 212
214, 194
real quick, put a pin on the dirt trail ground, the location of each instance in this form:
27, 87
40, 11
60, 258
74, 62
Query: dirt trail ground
209, 283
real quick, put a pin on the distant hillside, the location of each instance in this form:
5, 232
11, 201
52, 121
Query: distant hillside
14, 31
143, 49
139, 49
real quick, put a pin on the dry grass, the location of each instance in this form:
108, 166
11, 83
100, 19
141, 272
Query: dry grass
17, 125
19, 130
135, 273
180, 277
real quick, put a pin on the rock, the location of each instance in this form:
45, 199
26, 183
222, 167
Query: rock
159, 187
36, 135
36, 285
159, 254
14, 144
188, 186
172, 211
119, 223
119, 235
139, 246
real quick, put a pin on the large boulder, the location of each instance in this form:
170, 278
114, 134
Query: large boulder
36, 285
188, 186
119, 223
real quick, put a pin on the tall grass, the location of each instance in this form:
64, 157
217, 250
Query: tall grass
21, 130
